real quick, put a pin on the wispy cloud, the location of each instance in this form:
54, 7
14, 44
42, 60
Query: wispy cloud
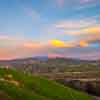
60, 3
29, 11
4, 37
54, 27
75, 24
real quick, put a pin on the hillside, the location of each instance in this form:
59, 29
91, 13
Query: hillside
19, 86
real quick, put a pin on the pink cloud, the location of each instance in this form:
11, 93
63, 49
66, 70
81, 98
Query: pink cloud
54, 55
75, 24
22, 49
4, 37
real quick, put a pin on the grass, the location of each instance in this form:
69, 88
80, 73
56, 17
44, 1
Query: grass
31, 87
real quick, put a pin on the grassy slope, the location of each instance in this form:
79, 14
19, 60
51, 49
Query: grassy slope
18, 86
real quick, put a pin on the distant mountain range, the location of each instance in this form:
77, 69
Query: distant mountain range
50, 65
44, 59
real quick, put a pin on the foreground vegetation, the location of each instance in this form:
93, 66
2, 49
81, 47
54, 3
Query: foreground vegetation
19, 86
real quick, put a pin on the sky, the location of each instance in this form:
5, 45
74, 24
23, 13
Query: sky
53, 28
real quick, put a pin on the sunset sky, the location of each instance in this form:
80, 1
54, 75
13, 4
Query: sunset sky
62, 28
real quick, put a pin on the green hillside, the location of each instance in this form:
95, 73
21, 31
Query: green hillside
19, 86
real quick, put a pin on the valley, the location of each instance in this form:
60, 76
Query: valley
80, 75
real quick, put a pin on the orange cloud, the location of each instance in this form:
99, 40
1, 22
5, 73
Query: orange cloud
91, 34
58, 43
32, 45
61, 44
92, 30
22, 49
83, 43
5, 54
